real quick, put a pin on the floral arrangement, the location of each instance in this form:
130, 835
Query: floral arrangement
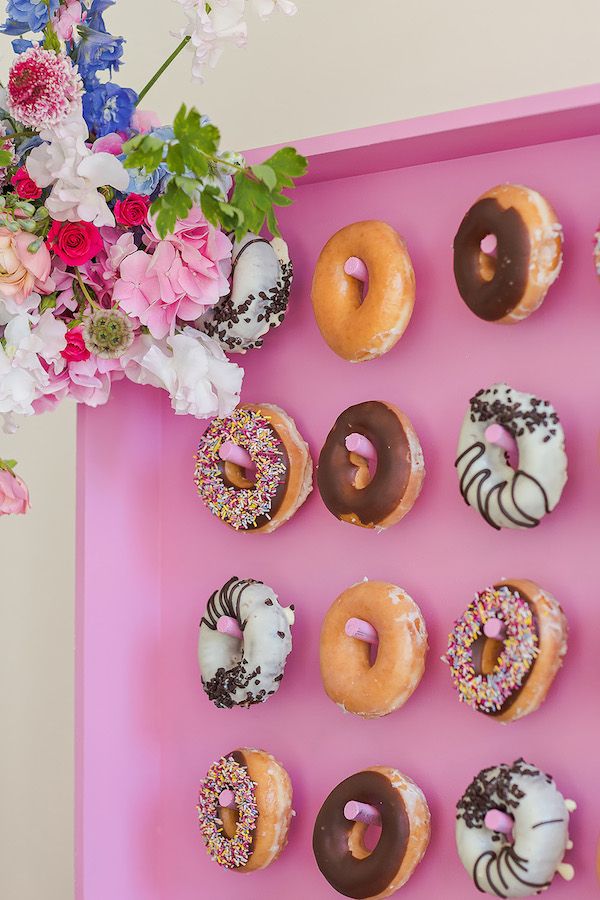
116, 231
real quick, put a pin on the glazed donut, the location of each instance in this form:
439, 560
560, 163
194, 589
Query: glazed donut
348, 677
345, 485
338, 843
253, 834
283, 477
509, 284
241, 672
356, 328
260, 288
505, 497
508, 677
540, 833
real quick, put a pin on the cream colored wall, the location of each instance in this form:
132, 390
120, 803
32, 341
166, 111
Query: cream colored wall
339, 64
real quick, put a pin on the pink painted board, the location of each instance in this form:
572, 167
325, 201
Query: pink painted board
150, 554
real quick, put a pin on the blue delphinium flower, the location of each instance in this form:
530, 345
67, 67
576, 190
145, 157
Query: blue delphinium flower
28, 15
109, 108
97, 52
20, 45
95, 16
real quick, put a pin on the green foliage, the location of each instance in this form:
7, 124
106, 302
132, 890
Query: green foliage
192, 157
6, 158
51, 40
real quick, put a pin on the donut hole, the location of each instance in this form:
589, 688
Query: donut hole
363, 839
357, 270
229, 818
238, 476
490, 654
365, 470
488, 252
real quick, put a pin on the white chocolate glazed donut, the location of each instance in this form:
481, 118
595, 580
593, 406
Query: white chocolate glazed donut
247, 671
505, 497
260, 288
540, 832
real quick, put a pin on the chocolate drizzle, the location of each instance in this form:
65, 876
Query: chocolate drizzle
368, 877
336, 472
492, 300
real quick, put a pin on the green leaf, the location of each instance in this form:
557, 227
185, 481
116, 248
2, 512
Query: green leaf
51, 41
174, 204
288, 164
174, 159
145, 154
48, 302
190, 131
195, 160
272, 223
267, 175
8, 464
191, 186
5, 158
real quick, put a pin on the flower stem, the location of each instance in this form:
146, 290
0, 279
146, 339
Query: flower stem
84, 289
162, 69
16, 135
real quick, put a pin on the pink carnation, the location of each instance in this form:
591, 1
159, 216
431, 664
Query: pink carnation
43, 88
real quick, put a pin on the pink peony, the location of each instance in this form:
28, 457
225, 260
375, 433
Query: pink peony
43, 88
24, 185
111, 143
75, 243
14, 496
21, 272
144, 120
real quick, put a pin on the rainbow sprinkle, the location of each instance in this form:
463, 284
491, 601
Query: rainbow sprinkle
240, 507
231, 853
488, 693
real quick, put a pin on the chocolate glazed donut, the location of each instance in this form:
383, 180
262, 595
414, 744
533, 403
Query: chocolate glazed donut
507, 286
396, 484
338, 843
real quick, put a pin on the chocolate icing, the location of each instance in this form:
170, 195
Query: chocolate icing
361, 878
492, 300
336, 473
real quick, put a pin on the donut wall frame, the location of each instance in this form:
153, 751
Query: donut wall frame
149, 552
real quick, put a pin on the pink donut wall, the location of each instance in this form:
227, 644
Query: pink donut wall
150, 553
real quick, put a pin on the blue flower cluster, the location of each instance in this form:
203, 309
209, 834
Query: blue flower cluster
28, 15
108, 108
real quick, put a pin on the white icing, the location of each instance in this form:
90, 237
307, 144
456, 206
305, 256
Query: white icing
262, 645
539, 842
541, 455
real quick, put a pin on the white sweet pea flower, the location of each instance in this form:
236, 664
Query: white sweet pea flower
192, 368
75, 173
210, 32
265, 8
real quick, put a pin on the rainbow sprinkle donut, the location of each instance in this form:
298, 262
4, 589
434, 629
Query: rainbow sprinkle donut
244, 810
506, 648
282, 468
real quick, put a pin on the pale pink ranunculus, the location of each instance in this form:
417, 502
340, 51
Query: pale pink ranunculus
144, 120
14, 496
110, 143
21, 272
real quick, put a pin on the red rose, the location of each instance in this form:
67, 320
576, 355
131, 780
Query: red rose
25, 186
75, 351
74, 242
131, 211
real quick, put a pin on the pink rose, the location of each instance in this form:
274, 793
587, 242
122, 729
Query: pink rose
132, 211
14, 496
144, 120
110, 143
75, 242
21, 271
25, 186
75, 351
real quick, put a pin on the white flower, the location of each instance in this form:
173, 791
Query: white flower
210, 32
192, 368
23, 378
75, 173
264, 8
